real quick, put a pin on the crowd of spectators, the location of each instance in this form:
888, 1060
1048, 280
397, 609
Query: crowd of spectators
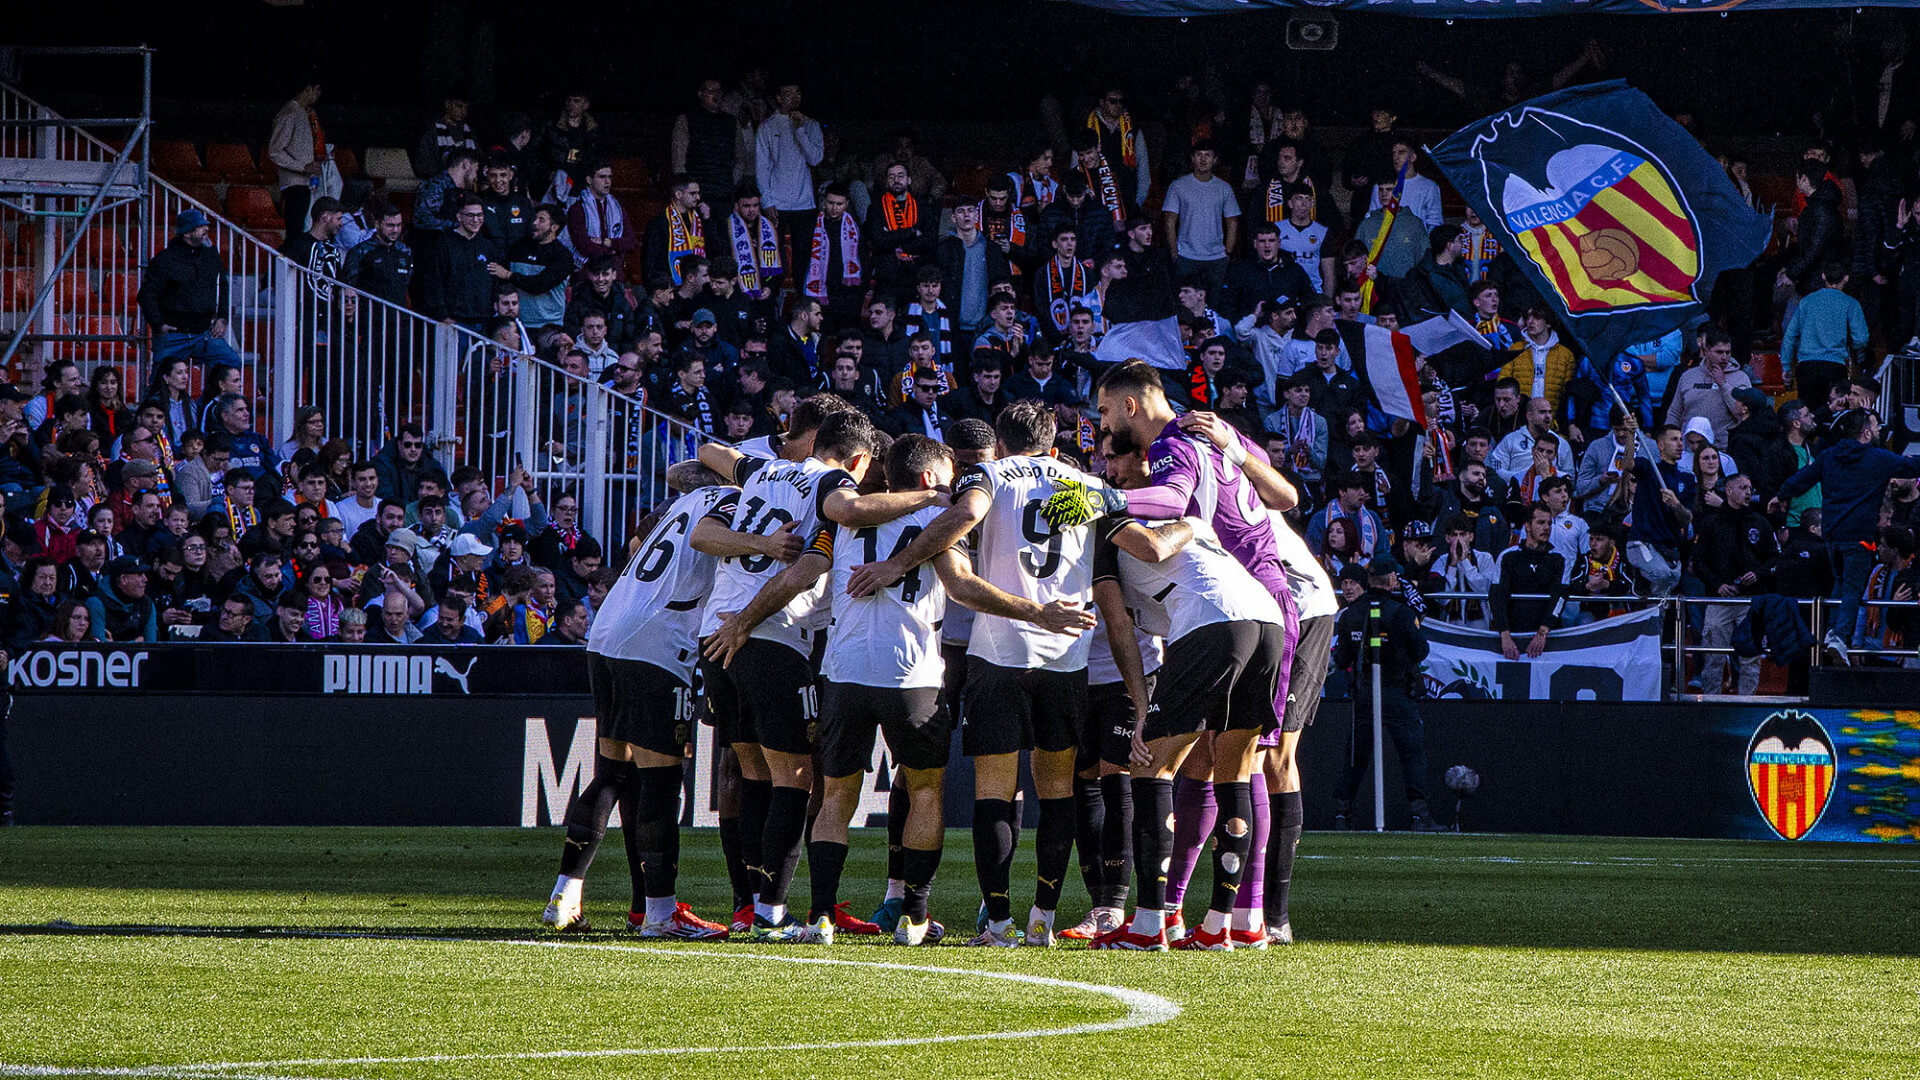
1558, 485
129, 521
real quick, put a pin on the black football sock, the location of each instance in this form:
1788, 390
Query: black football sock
899, 803
588, 814
1089, 823
1289, 816
994, 830
1053, 851
1232, 840
780, 844
1152, 840
736, 866
755, 797
826, 860
1116, 841
655, 826
917, 870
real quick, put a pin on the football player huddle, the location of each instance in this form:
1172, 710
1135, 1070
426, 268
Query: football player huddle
1152, 640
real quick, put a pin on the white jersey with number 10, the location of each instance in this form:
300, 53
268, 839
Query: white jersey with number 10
1021, 554
772, 494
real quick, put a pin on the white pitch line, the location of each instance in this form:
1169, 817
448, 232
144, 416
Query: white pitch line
1143, 1010
180, 1072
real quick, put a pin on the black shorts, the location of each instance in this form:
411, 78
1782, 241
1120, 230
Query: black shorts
1107, 734
914, 720
954, 655
1311, 658
638, 703
767, 698
1221, 677
1013, 709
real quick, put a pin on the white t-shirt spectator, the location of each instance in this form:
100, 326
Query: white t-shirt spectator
1203, 207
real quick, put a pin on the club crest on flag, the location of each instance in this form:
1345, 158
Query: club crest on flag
1791, 772
1596, 212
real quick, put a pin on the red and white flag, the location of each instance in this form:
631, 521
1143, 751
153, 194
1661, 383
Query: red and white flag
1390, 353
1396, 388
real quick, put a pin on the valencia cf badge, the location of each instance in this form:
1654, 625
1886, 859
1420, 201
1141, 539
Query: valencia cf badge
1791, 772
1598, 213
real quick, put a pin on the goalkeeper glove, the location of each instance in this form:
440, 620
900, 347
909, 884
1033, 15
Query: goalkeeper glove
1073, 504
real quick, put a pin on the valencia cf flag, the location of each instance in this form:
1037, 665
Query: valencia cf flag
1620, 219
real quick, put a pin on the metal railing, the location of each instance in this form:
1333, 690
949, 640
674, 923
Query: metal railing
1681, 649
302, 339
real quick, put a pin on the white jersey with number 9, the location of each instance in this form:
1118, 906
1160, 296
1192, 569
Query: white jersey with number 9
1020, 553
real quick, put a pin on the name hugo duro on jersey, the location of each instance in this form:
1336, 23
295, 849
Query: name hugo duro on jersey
1018, 552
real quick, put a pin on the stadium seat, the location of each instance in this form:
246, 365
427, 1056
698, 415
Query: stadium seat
969, 182
74, 294
178, 161
273, 238
233, 162
389, 164
402, 201
347, 161
106, 325
100, 245
631, 172
24, 247
252, 206
207, 195
118, 292
16, 290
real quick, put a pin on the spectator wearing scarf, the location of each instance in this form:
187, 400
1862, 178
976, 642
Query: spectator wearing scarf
677, 232
755, 244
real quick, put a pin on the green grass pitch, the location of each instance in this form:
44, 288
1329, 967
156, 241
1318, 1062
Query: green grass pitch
1420, 956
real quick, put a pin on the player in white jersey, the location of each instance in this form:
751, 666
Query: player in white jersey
1318, 602
972, 443
640, 664
884, 673
1225, 656
770, 720
1026, 687
794, 445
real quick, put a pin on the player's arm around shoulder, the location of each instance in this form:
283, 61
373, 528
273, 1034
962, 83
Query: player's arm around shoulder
846, 506
1152, 543
967, 588
971, 501
777, 593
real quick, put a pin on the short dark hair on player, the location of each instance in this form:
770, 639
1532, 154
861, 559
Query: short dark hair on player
844, 434
971, 434
809, 414
1026, 427
1135, 377
909, 456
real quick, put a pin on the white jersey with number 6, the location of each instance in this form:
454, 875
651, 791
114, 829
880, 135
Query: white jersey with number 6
1021, 554
772, 494
892, 637
651, 613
